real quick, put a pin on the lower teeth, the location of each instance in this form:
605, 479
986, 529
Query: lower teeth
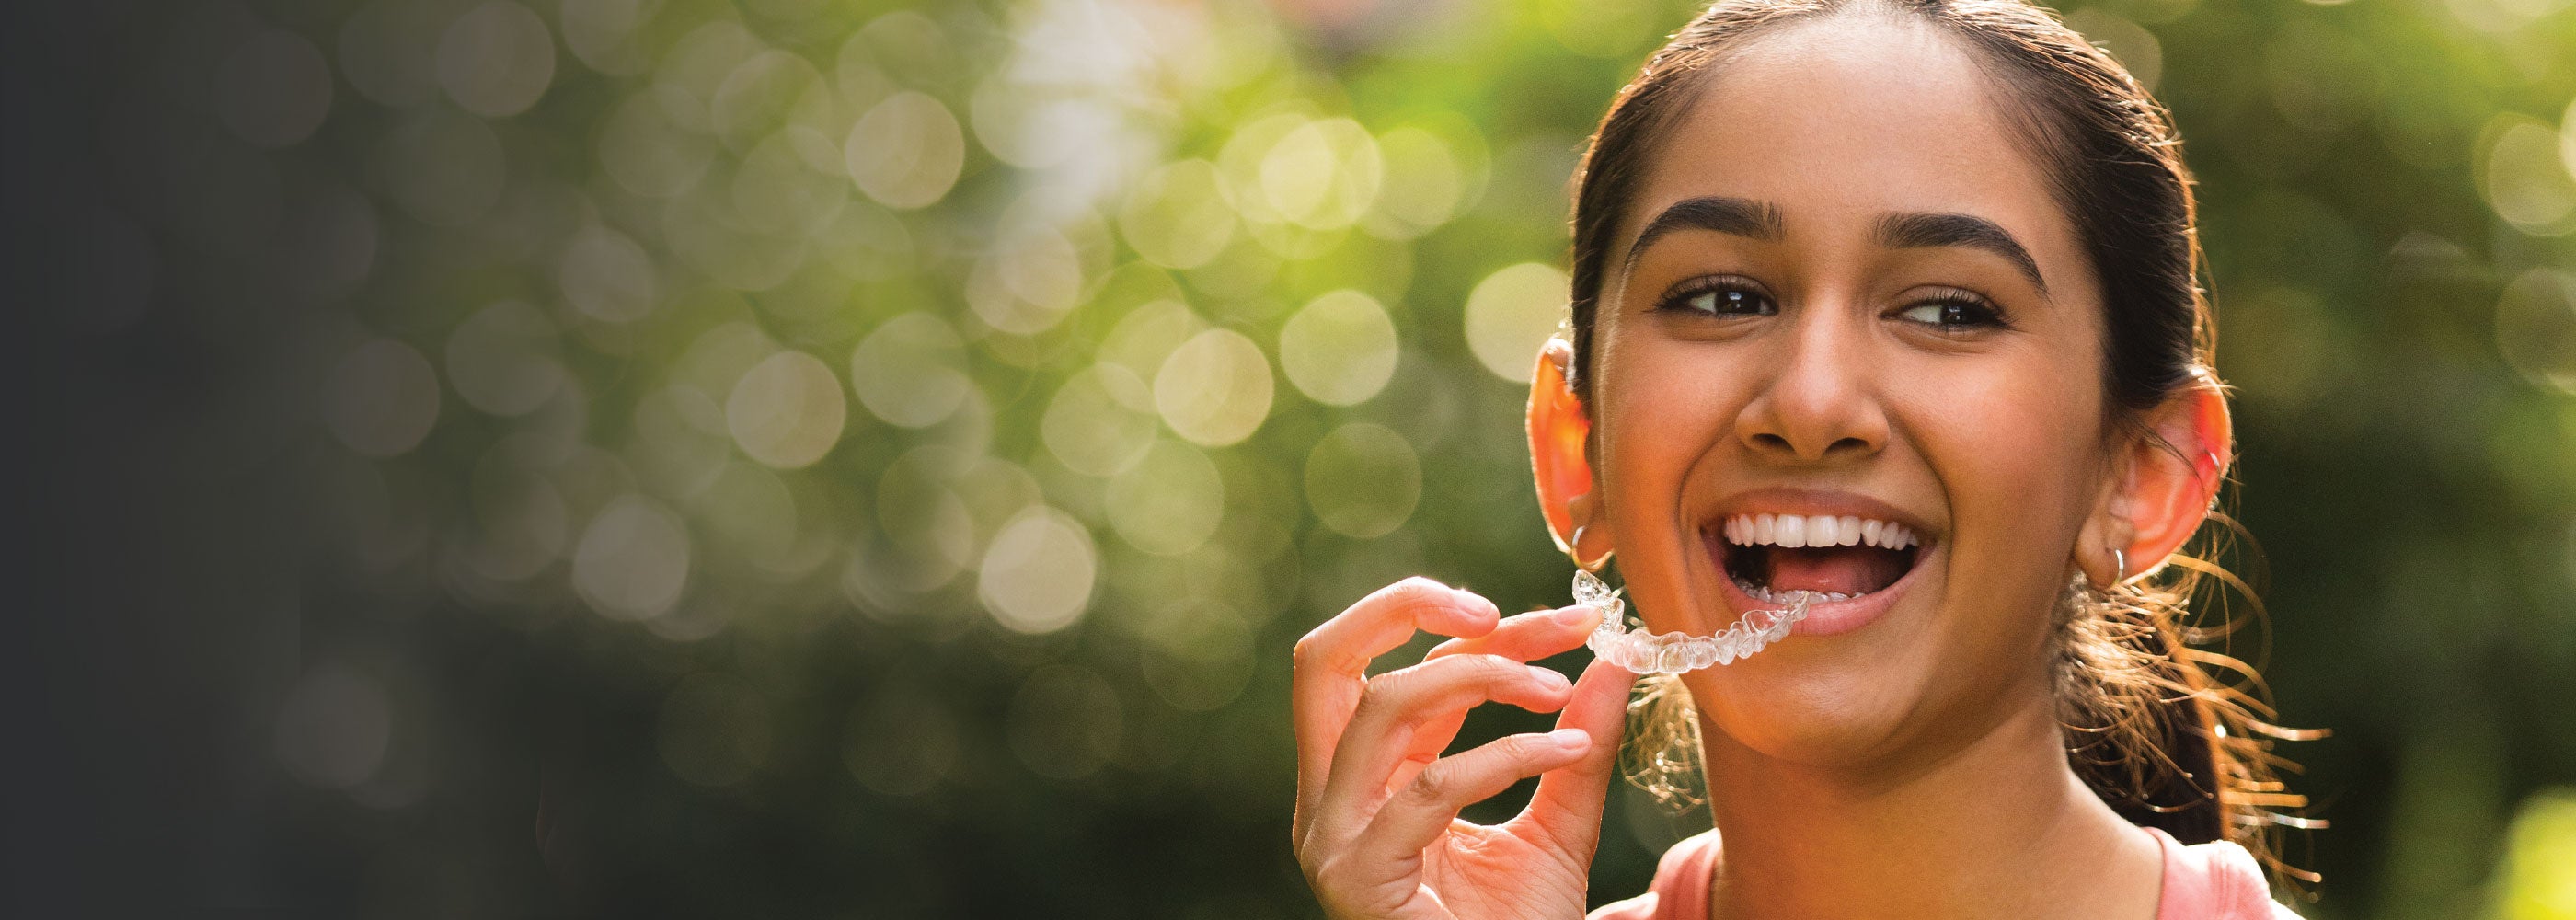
1767, 596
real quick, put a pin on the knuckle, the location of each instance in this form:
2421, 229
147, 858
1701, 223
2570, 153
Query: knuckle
1308, 648
1383, 691
1319, 870
1517, 748
1433, 785
1417, 591
1496, 669
1337, 894
1417, 584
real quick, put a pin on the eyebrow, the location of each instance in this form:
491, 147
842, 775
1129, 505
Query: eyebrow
1914, 229
1760, 220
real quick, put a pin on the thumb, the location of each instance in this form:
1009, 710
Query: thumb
1566, 809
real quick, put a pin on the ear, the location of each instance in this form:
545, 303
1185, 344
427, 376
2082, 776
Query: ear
2156, 500
1560, 433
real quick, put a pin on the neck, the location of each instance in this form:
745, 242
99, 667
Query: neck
1995, 825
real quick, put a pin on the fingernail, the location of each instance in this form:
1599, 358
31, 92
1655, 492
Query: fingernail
1548, 676
1576, 614
1569, 737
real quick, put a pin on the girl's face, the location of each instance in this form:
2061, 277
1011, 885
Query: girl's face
1843, 291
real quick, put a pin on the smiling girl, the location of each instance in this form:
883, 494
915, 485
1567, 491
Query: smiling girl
1890, 306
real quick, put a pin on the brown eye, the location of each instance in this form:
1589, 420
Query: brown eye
1721, 298
1949, 314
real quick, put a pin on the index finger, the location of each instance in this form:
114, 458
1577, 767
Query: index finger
1528, 636
1332, 665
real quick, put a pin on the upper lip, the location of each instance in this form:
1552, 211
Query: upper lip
1779, 500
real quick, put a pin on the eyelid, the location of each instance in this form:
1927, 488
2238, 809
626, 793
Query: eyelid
1945, 294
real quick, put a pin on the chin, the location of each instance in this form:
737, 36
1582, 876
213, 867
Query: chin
1817, 709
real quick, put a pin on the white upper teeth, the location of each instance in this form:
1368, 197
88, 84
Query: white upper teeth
1791, 530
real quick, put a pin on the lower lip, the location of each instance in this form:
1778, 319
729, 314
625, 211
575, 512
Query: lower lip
1828, 618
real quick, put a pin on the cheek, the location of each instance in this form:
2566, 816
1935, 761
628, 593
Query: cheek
1658, 419
1658, 415
2013, 447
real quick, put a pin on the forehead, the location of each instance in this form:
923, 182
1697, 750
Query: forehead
1839, 120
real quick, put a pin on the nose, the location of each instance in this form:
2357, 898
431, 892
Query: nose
1822, 403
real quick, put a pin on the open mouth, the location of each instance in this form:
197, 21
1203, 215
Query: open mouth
1840, 557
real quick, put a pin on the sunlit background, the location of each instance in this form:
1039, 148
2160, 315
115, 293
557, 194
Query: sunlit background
801, 458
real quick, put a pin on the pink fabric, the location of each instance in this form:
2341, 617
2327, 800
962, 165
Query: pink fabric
2203, 881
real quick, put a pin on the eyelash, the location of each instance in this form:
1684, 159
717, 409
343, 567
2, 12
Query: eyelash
1979, 313
1679, 298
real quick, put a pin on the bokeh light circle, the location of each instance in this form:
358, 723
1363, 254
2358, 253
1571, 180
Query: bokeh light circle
1363, 480
1147, 335
693, 71
601, 33
1169, 502
787, 411
1340, 349
1037, 575
504, 359
1322, 174
382, 398
497, 59
777, 193
386, 50
1094, 425
2525, 178
645, 153
607, 276
1424, 183
910, 371
1181, 215
930, 532
1215, 388
906, 151
758, 96
1028, 281
2535, 327
1198, 656
633, 559
1511, 313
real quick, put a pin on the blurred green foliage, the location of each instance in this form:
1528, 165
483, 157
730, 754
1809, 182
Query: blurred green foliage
849, 459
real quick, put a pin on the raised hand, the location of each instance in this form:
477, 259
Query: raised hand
1377, 827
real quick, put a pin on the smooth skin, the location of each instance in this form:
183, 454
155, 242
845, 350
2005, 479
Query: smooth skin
1912, 767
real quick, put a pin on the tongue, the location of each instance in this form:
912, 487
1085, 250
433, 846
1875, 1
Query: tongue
1839, 569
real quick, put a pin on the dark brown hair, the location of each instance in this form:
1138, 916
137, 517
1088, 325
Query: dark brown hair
2150, 725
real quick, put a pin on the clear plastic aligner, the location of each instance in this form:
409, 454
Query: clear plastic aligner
1674, 652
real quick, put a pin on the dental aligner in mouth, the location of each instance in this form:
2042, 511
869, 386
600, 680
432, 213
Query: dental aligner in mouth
1675, 652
